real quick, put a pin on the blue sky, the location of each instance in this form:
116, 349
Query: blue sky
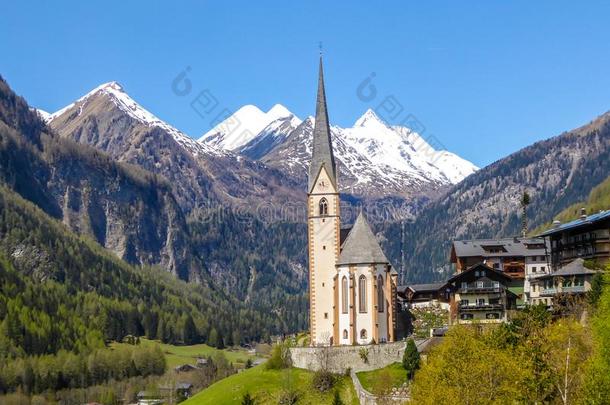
483, 78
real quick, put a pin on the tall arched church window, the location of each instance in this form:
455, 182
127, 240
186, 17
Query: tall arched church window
363, 334
344, 295
323, 206
362, 293
344, 333
380, 298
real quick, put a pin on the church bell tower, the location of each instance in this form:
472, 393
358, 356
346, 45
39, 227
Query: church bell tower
323, 222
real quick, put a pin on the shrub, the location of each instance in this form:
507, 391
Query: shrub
280, 357
337, 399
288, 397
247, 399
323, 380
364, 354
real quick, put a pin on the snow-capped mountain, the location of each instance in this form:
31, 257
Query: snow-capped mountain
115, 93
374, 157
243, 125
108, 119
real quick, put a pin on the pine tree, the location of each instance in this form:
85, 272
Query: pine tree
410, 359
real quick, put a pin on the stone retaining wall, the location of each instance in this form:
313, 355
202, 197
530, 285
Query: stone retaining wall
338, 359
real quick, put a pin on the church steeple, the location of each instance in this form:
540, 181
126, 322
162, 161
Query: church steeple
322, 154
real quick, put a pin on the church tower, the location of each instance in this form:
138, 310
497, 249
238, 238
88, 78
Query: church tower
323, 223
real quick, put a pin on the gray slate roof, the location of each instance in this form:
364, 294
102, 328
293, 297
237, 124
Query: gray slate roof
426, 287
322, 154
513, 246
361, 246
590, 219
574, 268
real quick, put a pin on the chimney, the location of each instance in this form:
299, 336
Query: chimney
583, 213
556, 223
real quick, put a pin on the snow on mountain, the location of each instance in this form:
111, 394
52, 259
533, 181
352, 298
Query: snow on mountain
370, 152
271, 136
404, 150
125, 103
242, 126
42, 114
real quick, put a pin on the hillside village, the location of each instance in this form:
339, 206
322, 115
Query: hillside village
496, 276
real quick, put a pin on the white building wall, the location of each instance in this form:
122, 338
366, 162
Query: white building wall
534, 267
382, 317
364, 320
344, 318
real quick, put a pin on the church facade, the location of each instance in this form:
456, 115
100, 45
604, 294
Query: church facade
352, 286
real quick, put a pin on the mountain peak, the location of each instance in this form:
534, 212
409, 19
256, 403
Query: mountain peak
243, 126
278, 111
369, 118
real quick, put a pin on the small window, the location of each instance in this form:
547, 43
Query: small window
344, 297
323, 247
363, 334
344, 333
325, 315
496, 266
492, 315
534, 269
362, 293
479, 284
463, 303
466, 316
480, 301
323, 206
542, 269
380, 295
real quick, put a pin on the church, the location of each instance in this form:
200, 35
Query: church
352, 286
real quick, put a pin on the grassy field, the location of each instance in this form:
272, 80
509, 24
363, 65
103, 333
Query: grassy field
178, 355
265, 386
395, 372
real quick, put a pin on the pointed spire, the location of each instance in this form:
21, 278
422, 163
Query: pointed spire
322, 154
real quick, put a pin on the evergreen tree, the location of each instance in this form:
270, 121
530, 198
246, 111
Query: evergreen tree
410, 358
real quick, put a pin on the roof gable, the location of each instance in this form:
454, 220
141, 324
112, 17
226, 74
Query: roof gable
487, 272
361, 246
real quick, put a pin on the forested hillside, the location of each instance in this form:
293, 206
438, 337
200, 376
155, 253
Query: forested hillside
556, 173
59, 292
598, 200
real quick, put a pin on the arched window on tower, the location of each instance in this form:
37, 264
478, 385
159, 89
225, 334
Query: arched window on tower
363, 334
323, 206
380, 298
344, 295
344, 333
362, 293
